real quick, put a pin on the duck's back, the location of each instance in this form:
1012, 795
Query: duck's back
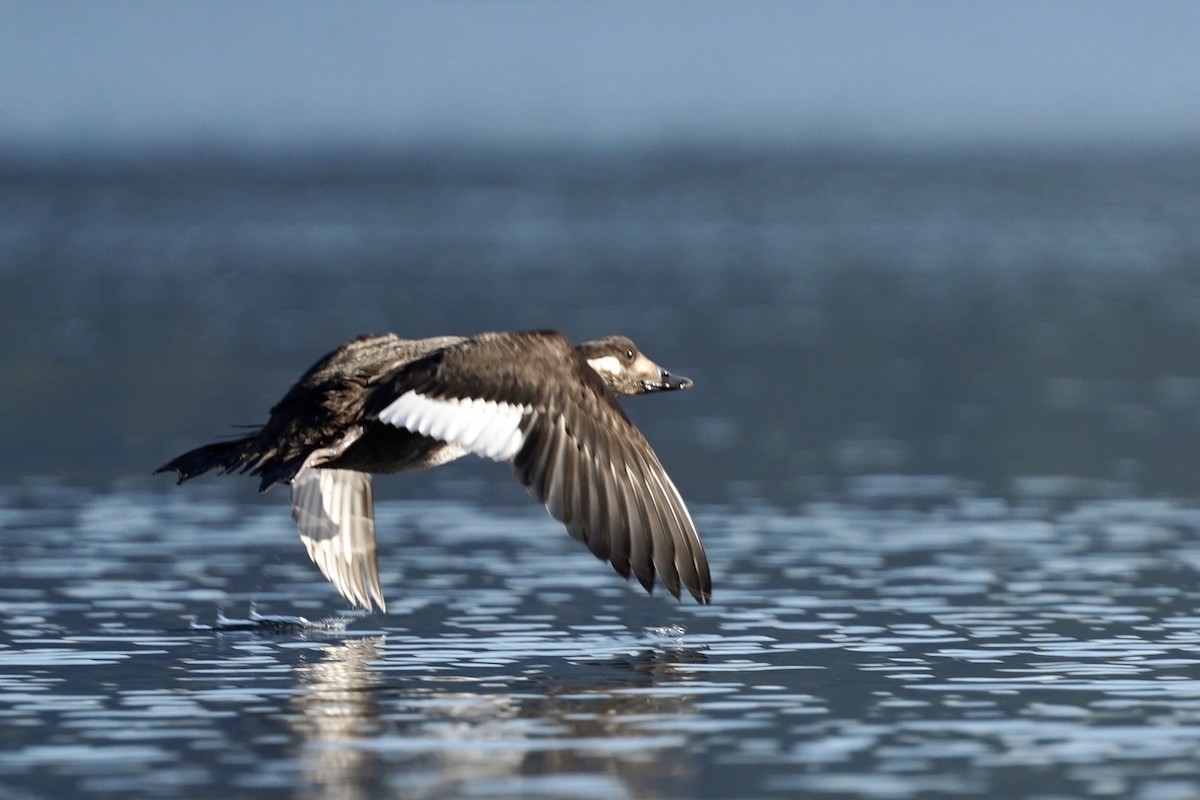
366, 357
327, 400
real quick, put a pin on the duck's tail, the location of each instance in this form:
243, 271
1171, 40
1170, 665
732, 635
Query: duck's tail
228, 456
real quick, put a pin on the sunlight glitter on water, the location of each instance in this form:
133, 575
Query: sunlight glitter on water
971, 649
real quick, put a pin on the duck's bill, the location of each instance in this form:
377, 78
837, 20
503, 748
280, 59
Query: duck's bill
667, 382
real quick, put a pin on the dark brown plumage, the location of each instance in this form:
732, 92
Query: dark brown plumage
382, 404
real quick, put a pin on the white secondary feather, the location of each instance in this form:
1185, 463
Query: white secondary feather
333, 510
484, 427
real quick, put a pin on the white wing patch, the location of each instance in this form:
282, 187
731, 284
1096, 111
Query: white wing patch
484, 427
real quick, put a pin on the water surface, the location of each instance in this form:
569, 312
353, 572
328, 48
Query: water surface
941, 447
970, 648
984, 316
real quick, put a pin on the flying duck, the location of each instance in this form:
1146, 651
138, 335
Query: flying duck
382, 404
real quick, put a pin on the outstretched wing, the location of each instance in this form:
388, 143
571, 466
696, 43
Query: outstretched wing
532, 400
612, 493
334, 511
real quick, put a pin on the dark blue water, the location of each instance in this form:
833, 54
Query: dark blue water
941, 449
980, 317
973, 649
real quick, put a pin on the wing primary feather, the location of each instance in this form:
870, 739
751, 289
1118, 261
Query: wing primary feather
607, 523
364, 507
641, 534
661, 520
334, 514
554, 486
573, 490
697, 565
618, 521
690, 559
533, 464
590, 524
680, 526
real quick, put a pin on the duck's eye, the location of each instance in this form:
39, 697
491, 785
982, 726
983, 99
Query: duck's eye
629, 355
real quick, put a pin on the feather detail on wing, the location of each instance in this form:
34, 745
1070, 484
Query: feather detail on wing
333, 509
611, 492
485, 427
533, 400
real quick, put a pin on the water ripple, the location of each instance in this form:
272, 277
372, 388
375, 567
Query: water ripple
850, 652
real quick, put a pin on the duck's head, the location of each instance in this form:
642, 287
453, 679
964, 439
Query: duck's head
626, 371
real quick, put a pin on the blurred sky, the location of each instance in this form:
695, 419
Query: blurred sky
129, 74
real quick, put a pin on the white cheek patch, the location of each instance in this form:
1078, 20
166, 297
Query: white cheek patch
484, 427
608, 364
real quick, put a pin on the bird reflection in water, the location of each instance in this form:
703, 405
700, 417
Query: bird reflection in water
339, 707
371, 727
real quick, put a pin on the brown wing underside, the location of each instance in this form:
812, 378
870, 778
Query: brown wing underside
601, 479
582, 457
